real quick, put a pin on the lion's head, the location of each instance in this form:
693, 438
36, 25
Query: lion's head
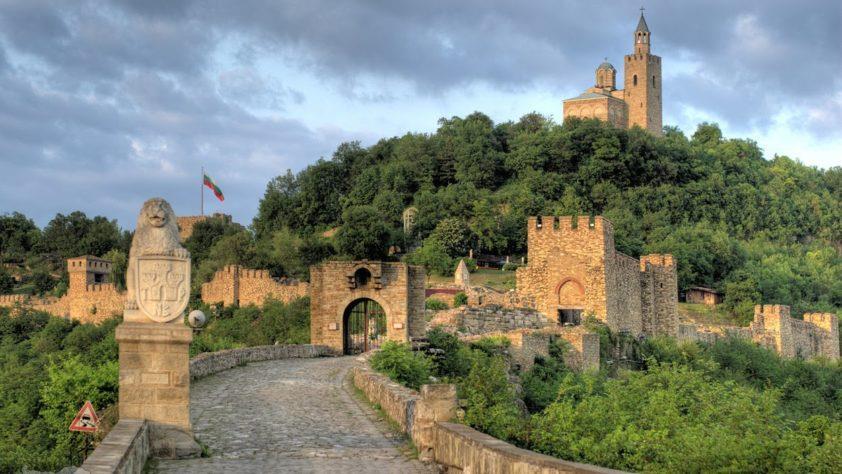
156, 212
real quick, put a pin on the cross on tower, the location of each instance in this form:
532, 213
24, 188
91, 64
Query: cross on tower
641, 10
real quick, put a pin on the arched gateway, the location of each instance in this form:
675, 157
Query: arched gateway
355, 306
364, 326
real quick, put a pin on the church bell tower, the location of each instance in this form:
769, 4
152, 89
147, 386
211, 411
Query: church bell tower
643, 82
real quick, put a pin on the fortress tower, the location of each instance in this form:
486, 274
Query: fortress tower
639, 103
87, 270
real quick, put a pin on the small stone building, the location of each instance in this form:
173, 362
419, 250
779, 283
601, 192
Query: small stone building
702, 295
574, 270
355, 306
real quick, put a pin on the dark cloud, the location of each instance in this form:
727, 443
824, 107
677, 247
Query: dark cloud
103, 104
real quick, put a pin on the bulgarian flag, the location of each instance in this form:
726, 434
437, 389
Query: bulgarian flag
216, 191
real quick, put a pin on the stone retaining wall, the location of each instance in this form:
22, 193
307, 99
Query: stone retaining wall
476, 320
212, 362
456, 448
124, 450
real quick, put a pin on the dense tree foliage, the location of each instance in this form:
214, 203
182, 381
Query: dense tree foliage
761, 229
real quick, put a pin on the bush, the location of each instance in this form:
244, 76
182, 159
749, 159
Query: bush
510, 266
401, 364
492, 345
460, 299
471, 263
435, 304
455, 359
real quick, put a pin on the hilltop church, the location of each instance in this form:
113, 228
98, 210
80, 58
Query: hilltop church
639, 103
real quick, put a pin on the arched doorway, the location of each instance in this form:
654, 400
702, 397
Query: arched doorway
364, 326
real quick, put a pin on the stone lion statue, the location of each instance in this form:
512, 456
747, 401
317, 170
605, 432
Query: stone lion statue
156, 234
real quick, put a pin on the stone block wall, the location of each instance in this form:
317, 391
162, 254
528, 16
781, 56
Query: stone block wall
567, 264
573, 266
85, 300
123, 451
398, 288
659, 285
479, 320
426, 418
815, 336
210, 363
235, 285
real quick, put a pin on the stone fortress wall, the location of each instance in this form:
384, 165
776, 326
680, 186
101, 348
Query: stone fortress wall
236, 285
186, 224
90, 298
573, 265
816, 335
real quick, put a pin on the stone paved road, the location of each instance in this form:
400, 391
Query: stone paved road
295, 415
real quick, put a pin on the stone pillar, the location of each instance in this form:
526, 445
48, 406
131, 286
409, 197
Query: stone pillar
153, 340
437, 404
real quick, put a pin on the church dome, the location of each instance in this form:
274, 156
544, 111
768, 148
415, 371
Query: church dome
606, 65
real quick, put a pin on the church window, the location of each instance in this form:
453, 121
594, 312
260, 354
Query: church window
634, 79
653, 81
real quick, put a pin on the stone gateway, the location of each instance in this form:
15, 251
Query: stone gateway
356, 306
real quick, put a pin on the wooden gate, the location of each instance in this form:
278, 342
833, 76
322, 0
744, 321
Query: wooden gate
364, 326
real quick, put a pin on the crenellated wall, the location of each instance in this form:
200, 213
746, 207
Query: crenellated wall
817, 335
87, 299
235, 285
573, 266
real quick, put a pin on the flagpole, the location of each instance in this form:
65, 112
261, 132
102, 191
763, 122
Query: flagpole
202, 191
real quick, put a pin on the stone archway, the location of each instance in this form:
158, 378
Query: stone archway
364, 326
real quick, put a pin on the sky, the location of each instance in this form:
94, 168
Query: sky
106, 104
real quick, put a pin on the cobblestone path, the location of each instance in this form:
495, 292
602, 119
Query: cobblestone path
295, 415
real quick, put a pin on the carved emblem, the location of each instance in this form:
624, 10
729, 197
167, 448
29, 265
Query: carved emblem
163, 287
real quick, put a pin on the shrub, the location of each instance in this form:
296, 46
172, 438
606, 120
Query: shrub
510, 266
401, 364
491, 398
435, 304
492, 345
455, 358
471, 263
460, 299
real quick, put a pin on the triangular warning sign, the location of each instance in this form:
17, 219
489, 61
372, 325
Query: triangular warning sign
86, 419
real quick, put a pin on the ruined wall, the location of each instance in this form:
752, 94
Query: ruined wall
398, 288
815, 336
235, 285
473, 320
485, 296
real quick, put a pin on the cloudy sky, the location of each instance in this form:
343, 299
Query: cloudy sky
104, 104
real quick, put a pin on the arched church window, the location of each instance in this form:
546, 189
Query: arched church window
634, 79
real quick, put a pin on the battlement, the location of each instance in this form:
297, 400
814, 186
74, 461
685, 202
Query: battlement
87, 263
826, 321
11, 299
568, 224
99, 287
775, 310
252, 273
657, 260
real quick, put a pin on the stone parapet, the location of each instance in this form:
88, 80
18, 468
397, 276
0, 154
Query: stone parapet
473, 320
213, 362
236, 285
426, 418
460, 448
124, 451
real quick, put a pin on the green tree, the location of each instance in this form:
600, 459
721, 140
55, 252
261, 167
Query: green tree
363, 234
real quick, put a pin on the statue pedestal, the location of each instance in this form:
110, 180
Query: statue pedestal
155, 383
